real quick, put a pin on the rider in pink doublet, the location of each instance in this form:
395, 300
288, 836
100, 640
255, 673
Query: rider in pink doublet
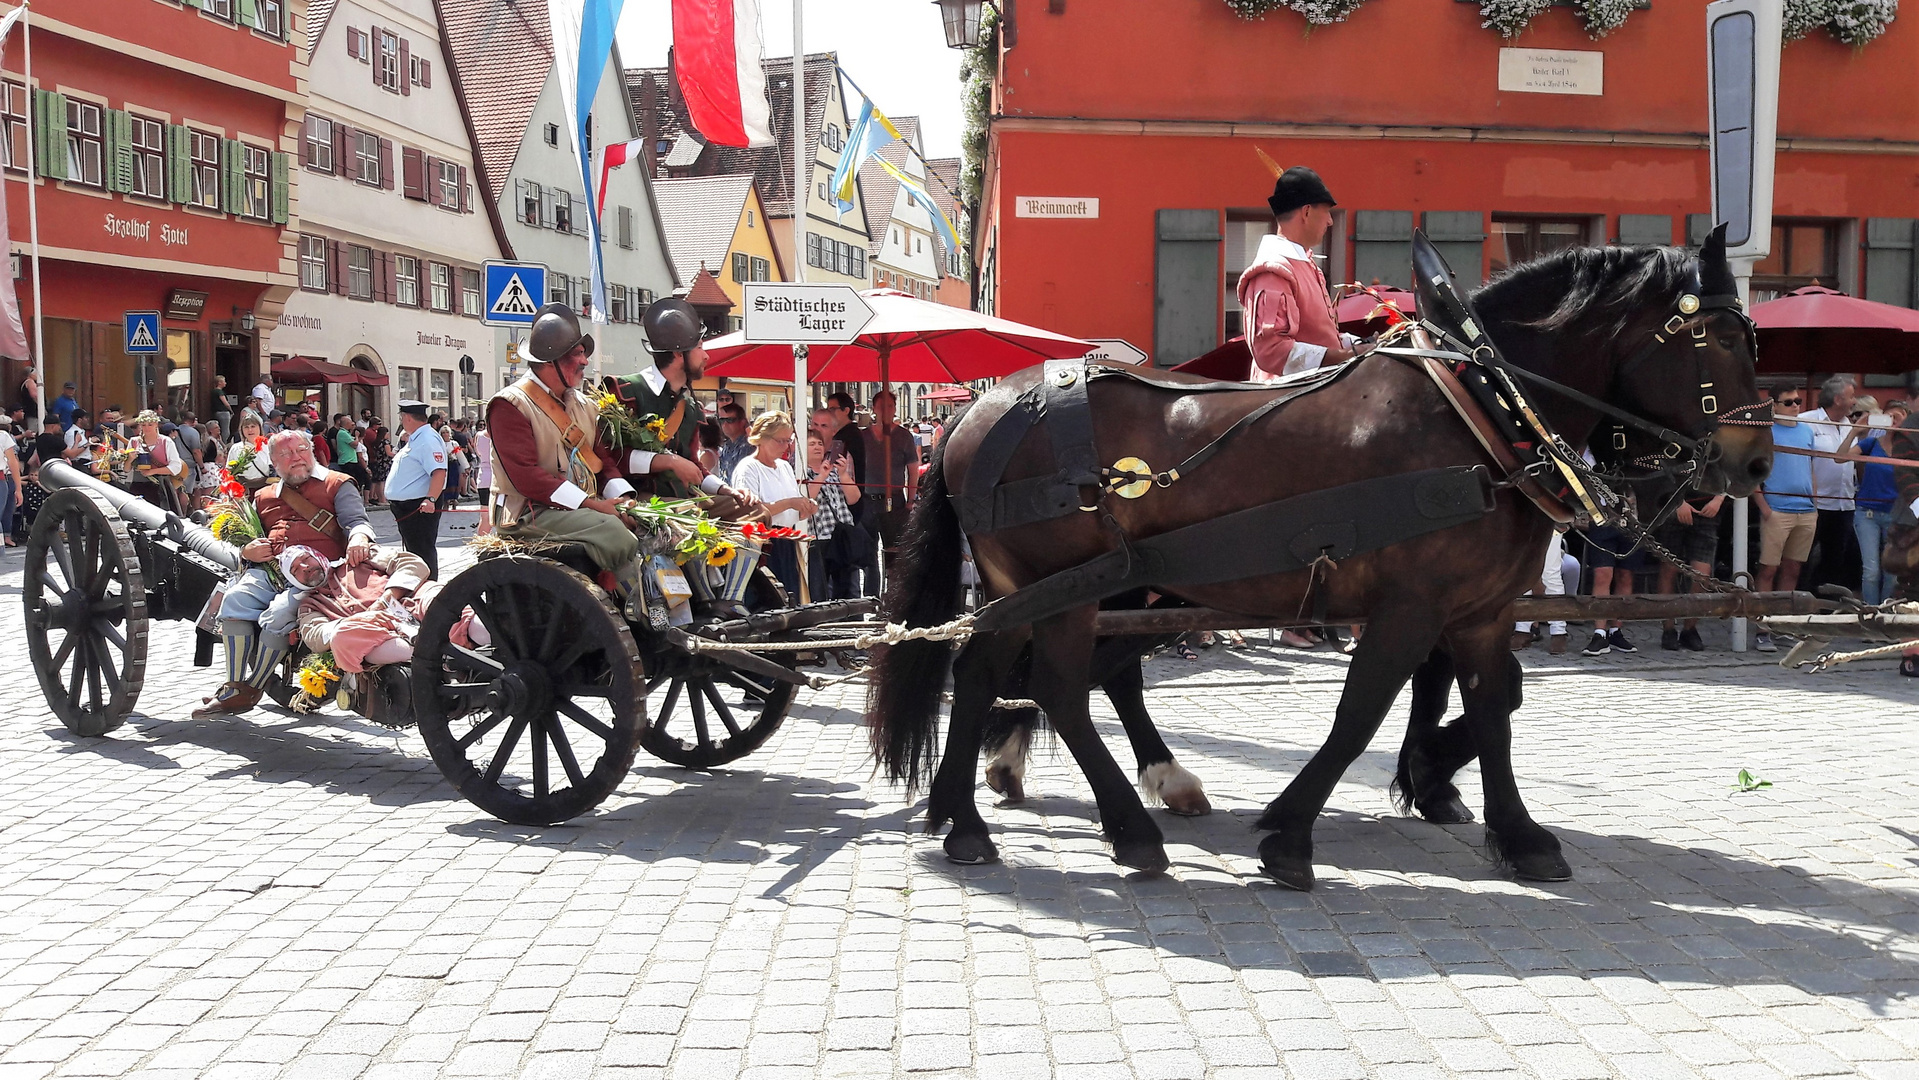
1289, 311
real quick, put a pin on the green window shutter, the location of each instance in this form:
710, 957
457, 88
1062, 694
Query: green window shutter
1892, 261
281, 172
117, 136
1641, 230
232, 176
250, 13
50, 135
1383, 247
179, 179
1460, 236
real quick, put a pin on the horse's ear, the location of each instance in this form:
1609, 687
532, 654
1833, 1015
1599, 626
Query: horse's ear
1715, 272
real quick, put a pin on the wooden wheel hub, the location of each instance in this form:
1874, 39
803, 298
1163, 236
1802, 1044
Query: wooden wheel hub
522, 690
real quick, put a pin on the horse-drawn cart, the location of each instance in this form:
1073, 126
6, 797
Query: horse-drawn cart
533, 691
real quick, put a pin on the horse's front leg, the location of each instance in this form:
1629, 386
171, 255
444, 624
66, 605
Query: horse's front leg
1489, 683
1161, 779
977, 674
1431, 753
1395, 644
1062, 663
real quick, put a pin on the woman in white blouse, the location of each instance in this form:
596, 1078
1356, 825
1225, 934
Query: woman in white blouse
768, 474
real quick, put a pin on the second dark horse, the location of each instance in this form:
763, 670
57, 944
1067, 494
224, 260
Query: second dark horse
1576, 317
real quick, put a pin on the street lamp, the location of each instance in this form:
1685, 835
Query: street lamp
962, 19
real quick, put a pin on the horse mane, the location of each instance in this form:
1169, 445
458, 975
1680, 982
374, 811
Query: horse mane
1589, 290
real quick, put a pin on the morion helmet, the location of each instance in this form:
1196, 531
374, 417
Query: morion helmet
556, 329
671, 325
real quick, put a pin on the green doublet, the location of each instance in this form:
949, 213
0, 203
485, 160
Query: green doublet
638, 398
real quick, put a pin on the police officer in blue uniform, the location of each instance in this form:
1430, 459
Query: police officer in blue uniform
414, 483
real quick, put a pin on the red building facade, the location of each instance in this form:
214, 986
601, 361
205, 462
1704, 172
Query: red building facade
161, 140
1123, 193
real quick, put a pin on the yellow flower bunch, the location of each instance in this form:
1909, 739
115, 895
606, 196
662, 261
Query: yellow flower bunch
721, 553
315, 679
657, 427
313, 683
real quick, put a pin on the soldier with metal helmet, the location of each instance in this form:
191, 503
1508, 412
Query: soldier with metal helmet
553, 476
664, 390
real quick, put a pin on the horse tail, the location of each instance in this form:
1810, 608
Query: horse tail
923, 589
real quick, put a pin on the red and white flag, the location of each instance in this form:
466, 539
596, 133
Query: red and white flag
13, 336
716, 54
612, 158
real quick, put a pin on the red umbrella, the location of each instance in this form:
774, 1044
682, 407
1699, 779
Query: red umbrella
1360, 314
1821, 329
948, 393
908, 340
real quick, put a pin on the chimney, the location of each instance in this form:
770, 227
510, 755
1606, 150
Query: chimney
649, 125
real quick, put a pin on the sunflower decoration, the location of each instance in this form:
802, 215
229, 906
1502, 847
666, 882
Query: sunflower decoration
624, 431
721, 553
316, 680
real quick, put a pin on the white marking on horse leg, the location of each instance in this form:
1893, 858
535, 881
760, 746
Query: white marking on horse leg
1006, 769
1168, 783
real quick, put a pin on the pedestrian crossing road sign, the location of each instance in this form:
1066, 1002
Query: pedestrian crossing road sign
143, 332
514, 293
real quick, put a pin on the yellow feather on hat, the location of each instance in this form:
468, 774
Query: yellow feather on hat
1271, 165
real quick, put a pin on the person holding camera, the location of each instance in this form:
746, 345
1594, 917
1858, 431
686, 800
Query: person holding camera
836, 553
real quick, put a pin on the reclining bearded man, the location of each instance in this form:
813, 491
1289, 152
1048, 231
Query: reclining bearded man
309, 506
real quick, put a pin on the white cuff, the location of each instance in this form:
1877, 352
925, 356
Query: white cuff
568, 495
617, 488
640, 462
1304, 357
711, 484
363, 530
1348, 340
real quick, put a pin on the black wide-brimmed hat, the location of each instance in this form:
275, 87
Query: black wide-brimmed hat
1296, 187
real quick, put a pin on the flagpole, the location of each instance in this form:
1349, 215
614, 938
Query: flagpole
33, 225
800, 189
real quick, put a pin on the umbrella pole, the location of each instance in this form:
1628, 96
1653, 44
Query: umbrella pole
801, 414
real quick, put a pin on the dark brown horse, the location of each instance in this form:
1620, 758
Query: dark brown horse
1577, 317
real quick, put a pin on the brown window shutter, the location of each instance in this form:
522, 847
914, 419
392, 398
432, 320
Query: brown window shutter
386, 164
352, 43
433, 181
413, 173
383, 277
466, 198
336, 267
306, 138
426, 73
346, 151
406, 67
372, 48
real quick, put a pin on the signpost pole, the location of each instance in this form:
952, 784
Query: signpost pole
800, 189
1743, 39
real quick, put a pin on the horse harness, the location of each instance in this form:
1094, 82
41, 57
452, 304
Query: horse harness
1318, 529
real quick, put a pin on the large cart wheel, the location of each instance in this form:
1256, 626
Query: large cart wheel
704, 714
86, 609
543, 722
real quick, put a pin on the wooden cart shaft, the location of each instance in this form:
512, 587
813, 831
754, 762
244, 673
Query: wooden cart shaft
1745, 605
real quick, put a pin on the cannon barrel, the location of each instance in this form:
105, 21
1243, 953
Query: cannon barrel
137, 511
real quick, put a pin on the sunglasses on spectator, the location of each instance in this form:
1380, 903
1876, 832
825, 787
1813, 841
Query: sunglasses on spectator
1788, 400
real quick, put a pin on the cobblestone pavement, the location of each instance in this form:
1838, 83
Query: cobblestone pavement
304, 897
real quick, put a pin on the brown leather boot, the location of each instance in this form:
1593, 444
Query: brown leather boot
230, 700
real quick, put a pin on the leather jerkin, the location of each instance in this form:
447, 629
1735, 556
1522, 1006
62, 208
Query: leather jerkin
320, 521
570, 434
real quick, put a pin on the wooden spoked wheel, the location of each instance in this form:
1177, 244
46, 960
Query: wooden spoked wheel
703, 714
86, 612
539, 720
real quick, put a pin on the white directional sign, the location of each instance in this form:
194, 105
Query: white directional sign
790, 314
1116, 350
513, 293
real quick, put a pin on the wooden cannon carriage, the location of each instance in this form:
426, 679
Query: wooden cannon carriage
537, 725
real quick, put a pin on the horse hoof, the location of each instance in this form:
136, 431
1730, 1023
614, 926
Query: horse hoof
1007, 784
1451, 811
1542, 866
1147, 857
970, 849
1295, 874
1194, 807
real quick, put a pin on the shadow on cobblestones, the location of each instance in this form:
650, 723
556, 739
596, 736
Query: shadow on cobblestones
741, 816
1403, 899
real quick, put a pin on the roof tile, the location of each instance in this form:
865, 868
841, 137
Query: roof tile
501, 52
700, 214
